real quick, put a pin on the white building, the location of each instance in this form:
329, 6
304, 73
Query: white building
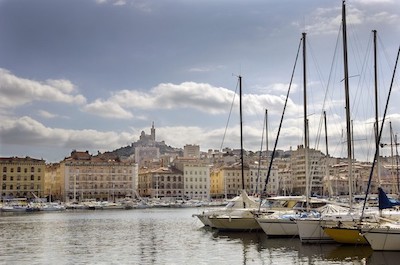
196, 178
192, 151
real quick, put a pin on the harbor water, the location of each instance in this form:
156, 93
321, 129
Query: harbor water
156, 236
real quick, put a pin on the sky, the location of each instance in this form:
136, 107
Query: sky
93, 74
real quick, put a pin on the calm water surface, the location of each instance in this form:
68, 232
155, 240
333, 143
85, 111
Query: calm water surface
156, 236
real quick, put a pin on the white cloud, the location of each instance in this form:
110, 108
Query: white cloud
27, 131
373, 2
46, 114
107, 109
328, 20
189, 95
120, 3
63, 85
16, 91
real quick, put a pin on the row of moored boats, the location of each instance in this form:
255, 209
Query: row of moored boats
313, 220
23, 206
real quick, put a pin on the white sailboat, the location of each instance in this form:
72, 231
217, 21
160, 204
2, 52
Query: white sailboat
284, 224
310, 229
240, 218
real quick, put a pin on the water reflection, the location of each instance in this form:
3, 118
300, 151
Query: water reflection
292, 251
158, 236
384, 258
350, 253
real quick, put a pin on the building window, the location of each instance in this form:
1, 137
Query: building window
4, 169
25, 170
32, 169
32, 177
12, 170
18, 169
4, 177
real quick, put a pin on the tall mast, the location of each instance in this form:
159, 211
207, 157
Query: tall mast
378, 170
241, 129
346, 89
307, 191
392, 155
330, 190
266, 132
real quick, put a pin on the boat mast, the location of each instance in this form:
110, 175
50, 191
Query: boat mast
307, 191
392, 155
330, 190
346, 88
241, 129
378, 169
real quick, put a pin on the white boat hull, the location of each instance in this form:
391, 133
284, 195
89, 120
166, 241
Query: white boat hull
310, 231
237, 220
278, 227
386, 238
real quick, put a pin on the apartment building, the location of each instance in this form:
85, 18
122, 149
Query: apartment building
163, 182
22, 177
196, 178
191, 150
53, 182
88, 177
316, 164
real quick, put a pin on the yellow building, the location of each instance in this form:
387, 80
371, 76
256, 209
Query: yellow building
217, 187
54, 182
227, 181
22, 177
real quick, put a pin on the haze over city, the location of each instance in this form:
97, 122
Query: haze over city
92, 74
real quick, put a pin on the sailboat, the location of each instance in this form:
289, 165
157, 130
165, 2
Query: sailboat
385, 234
240, 215
283, 224
330, 227
352, 234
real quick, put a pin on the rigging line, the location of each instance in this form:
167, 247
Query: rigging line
380, 133
280, 124
329, 84
362, 81
259, 158
318, 136
229, 116
388, 61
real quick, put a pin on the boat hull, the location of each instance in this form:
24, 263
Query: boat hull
346, 235
310, 231
383, 238
278, 227
237, 220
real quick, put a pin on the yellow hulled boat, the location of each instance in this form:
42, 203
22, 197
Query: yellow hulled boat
346, 235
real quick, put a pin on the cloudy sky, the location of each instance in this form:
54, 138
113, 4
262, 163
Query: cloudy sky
92, 74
